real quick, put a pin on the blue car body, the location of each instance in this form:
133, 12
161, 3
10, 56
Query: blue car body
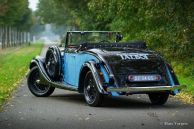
73, 63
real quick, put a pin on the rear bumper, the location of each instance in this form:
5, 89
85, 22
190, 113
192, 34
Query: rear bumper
146, 89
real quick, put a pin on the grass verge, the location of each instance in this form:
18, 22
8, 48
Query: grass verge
187, 95
14, 64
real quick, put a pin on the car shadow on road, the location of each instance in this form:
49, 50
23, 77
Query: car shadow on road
70, 97
118, 102
133, 103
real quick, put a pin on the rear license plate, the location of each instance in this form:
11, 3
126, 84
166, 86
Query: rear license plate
144, 78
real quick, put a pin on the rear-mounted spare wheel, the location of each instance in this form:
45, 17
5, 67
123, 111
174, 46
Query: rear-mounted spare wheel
53, 62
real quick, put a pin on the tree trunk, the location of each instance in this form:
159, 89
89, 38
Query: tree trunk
22, 34
8, 37
19, 35
3, 37
14, 37
29, 39
11, 38
18, 40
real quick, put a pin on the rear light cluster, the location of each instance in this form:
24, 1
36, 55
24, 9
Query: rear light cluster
144, 78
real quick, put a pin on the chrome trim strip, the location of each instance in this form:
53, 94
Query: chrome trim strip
148, 88
91, 65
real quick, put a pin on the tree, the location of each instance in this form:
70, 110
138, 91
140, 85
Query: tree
164, 25
15, 17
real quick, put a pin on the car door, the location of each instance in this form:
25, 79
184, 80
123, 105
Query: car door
69, 68
72, 66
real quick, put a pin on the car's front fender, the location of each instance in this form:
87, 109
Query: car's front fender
45, 79
39, 62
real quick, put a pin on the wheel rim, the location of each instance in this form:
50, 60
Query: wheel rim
34, 83
90, 90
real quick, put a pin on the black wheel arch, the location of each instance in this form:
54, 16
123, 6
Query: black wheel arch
35, 60
174, 77
82, 75
32, 64
90, 66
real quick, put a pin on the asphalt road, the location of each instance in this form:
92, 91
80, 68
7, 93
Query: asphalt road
68, 110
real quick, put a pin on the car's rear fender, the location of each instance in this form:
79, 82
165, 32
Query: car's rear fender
90, 66
172, 78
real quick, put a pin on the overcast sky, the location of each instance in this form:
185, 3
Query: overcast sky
33, 4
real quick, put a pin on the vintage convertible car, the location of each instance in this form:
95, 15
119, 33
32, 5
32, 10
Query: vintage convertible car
96, 64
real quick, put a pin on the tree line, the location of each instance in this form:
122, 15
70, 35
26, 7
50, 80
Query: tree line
166, 26
12, 37
15, 22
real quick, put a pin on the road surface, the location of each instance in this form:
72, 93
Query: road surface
68, 110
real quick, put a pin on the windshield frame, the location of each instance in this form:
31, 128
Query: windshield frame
67, 43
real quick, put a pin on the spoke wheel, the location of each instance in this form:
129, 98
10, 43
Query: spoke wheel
35, 88
91, 93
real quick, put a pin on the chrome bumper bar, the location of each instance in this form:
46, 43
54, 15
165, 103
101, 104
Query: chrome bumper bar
146, 89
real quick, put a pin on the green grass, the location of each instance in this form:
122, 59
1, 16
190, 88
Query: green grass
14, 63
187, 95
185, 72
189, 82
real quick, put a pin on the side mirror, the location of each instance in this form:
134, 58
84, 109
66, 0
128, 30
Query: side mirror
119, 37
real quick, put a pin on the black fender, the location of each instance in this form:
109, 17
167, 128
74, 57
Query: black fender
90, 66
172, 73
35, 60
40, 63
173, 81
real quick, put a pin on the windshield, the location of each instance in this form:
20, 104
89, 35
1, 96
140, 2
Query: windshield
75, 38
